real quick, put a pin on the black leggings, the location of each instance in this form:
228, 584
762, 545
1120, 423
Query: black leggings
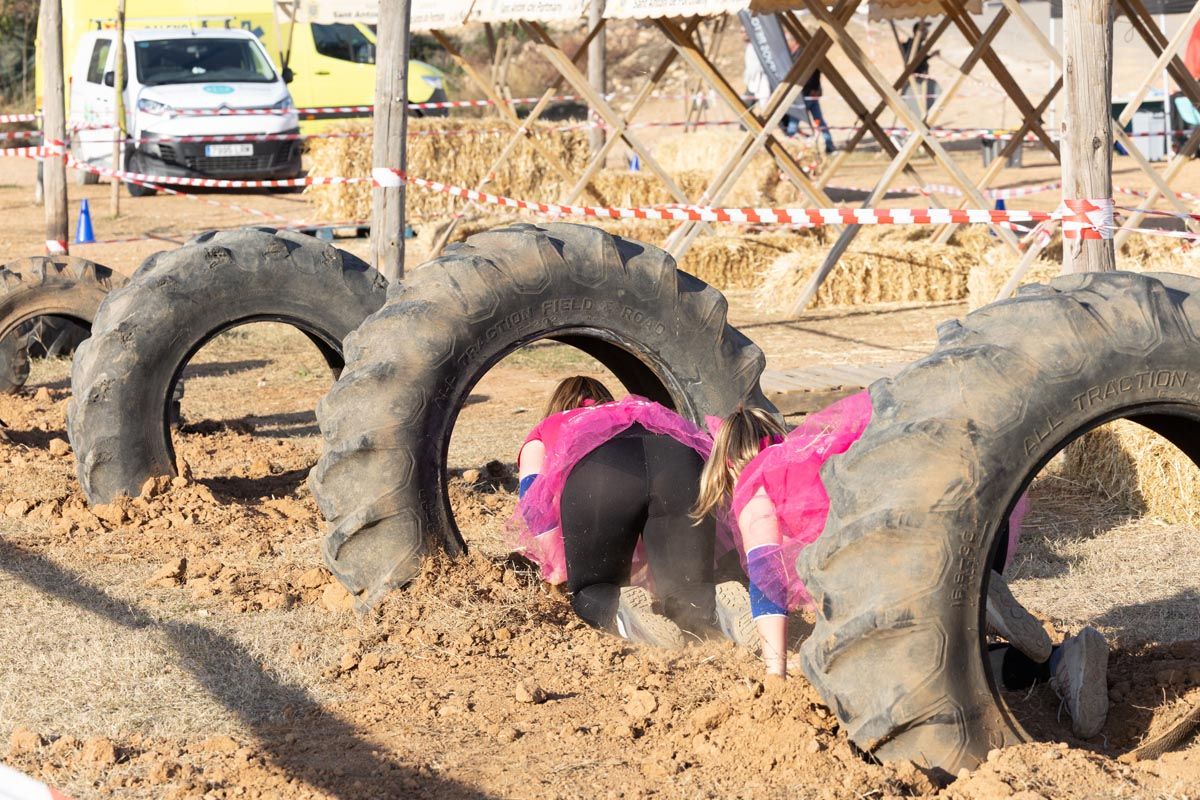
637, 485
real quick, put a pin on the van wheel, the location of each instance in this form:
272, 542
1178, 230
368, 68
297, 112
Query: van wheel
124, 376
381, 480
134, 163
140, 191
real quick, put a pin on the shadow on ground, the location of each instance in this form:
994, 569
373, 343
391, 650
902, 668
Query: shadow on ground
326, 753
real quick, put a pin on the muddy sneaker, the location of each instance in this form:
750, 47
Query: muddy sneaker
733, 615
637, 622
1008, 619
1080, 677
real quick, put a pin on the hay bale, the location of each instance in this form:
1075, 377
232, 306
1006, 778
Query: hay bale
639, 189
882, 266
1138, 254
736, 262
702, 152
1135, 469
460, 159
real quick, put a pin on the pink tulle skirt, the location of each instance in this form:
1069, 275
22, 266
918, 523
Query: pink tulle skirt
535, 529
790, 474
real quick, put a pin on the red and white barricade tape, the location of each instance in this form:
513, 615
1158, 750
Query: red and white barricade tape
758, 216
76, 164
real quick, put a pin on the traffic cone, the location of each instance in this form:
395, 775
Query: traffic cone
83, 228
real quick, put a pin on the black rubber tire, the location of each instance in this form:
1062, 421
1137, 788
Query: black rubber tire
45, 286
145, 333
54, 336
135, 163
381, 480
14, 362
916, 503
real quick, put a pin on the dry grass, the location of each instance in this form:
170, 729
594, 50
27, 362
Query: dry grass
1111, 538
702, 152
1083, 561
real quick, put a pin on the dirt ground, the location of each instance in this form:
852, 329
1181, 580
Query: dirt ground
190, 644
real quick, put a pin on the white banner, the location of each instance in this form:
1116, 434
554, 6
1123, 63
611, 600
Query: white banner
643, 9
532, 10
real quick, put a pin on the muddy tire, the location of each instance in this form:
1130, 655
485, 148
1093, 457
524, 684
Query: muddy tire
916, 503
381, 480
36, 288
53, 336
146, 332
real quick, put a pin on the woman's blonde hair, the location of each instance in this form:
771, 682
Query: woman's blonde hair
738, 440
572, 392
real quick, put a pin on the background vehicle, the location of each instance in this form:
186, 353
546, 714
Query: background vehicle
179, 83
333, 65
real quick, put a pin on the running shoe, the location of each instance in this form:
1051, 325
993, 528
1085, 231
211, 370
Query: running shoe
733, 615
637, 621
1008, 619
1080, 677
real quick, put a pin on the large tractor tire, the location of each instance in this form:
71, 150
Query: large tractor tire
54, 290
124, 376
916, 504
381, 481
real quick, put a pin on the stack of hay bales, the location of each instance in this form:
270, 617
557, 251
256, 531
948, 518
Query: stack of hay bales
1138, 254
702, 153
884, 265
461, 159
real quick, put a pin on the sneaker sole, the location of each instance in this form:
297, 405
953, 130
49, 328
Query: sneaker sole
1008, 618
1092, 702
733, 615
637, 622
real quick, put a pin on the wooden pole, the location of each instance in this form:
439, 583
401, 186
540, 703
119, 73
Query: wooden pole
391, 130
119, 131
1087, 131
55, 126
597, 64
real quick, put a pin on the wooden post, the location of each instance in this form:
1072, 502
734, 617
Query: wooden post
391, 130
597, 64
1087, 131
119, 131
54, 125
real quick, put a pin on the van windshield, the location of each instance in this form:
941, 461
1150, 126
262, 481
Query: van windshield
195, 60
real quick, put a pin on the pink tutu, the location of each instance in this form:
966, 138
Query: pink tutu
535, 527
790, 474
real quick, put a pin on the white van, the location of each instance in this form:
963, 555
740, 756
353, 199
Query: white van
184, 83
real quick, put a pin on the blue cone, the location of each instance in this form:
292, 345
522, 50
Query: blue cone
83, 228
1000, 206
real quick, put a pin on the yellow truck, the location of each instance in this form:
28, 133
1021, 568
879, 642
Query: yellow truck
331, 65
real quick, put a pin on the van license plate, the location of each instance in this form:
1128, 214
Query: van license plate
229, 149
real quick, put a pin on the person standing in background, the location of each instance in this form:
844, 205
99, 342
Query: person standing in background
812, 102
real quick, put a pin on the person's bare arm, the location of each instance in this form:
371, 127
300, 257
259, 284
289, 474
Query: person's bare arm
760, 526
531, 458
